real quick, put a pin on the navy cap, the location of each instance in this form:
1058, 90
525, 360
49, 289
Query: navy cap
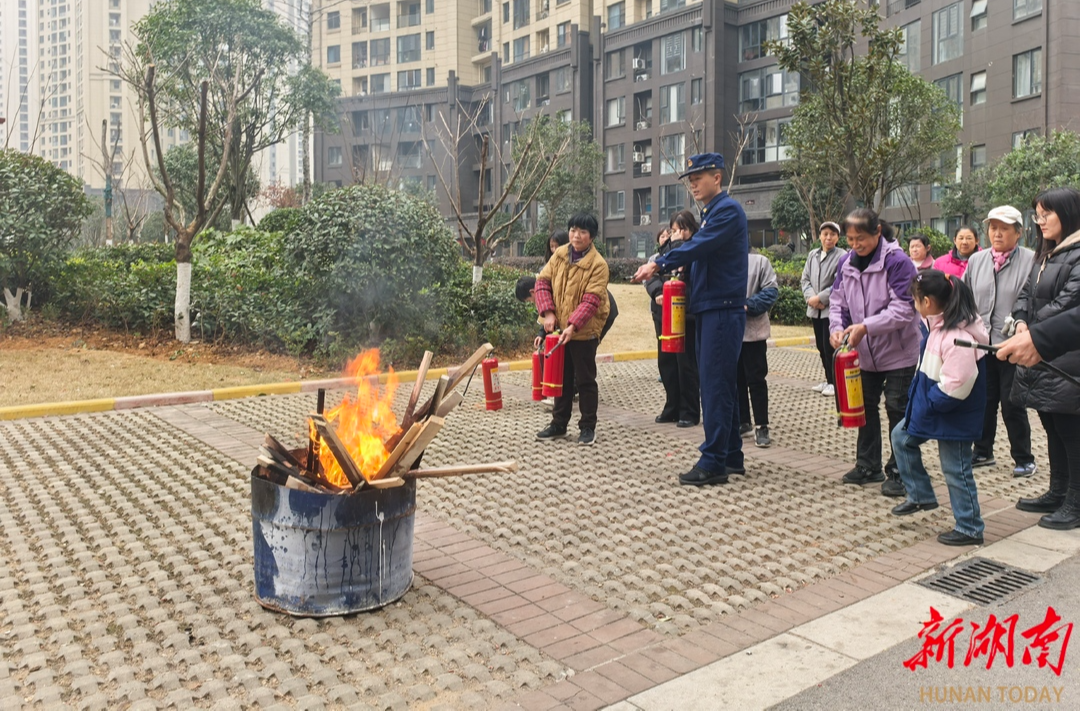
702, 161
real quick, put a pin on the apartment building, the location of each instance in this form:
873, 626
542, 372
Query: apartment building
18, 60
661, 80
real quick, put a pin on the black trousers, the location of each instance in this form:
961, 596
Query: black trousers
679, 373
753, 388
894, 384
1063, 446
825, 349
999, 382
579, 376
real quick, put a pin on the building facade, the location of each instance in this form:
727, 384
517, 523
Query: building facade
659, 81
19, 105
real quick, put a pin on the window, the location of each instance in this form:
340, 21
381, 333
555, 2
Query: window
359, 19
409, 79
948, 33
767, 88
674, 51
767, 142
409, 119
408, 14
380, 52
333, 156
978, 157
753, 35
562, 34
380, 83
1027, 73
519, 91
616, 158
668, 5
359, 55
615, 65
521, 13
978, 88
429, 40
333, 22
1026, 8
566, 116
543, 88
410, 154
562, 80
672, 153
978, 15
430, 76
896, 6
616, 111
333, 54
697, 90
506, 12
615, 204
429, 7
671, 201
408, 48
506, 52
672, 105
1019, 137
616, 16
521, 49
911, 46
953, 87
904, 196
359, 120
949, 164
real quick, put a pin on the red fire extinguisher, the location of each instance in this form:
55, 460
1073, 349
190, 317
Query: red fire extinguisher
537, 375
849, 394
553, 366
492, 391
673, 333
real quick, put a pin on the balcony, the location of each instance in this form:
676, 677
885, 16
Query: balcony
410, 20
380, 24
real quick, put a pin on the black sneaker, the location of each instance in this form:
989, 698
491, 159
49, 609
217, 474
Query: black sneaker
745, 429
700, 477
955, 538
861, 475
761, 436
551, 432
587, 437
893, 487
981, 460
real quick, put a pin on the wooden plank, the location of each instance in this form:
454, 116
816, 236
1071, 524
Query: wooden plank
337, 448
493, 467
402, 445
463, 371
387, 483
294, 483
280, 452
449, 403
431, 428
436, 399
421, 374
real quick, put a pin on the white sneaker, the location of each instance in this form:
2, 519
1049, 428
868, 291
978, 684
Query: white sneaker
819, 387
828, 390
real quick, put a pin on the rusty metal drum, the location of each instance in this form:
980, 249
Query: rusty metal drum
319, 555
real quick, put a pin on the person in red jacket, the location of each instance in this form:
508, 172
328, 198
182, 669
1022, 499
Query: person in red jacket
955, 261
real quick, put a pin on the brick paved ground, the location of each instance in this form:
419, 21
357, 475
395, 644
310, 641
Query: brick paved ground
588, 576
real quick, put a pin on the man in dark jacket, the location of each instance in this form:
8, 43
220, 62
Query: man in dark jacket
717, 256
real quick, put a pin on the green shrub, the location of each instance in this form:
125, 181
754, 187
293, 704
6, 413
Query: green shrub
622, 268
537, 246
790, 308
521, 265
283, 219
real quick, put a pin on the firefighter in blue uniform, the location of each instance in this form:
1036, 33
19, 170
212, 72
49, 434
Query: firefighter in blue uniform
717, 259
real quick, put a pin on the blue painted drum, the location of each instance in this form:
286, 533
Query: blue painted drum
319, 555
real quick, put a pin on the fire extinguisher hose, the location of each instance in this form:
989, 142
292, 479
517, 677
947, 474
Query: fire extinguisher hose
1043, 365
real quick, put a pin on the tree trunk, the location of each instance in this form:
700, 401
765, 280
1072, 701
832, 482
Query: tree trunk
14, 303
305, 137
477, 274
182, 305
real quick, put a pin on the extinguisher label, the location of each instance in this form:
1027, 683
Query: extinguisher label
678, 315
495, 382
853, 384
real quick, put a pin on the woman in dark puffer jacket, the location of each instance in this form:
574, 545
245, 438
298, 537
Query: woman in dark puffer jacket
1054, 287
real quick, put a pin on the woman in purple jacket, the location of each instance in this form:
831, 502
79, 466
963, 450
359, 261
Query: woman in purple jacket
871, 304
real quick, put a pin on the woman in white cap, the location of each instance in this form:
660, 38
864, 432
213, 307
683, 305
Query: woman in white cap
817, 281
996, 277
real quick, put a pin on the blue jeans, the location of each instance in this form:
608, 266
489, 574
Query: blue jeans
955, 460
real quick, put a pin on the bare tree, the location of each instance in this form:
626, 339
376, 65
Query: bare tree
527, 159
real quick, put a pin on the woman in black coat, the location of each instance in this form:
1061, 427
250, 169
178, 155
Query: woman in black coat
1053, 288
678, 371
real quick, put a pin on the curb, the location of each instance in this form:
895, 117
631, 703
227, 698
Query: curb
131, 402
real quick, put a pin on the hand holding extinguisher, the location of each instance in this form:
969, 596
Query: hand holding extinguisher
850, 409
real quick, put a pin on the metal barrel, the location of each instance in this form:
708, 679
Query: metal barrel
319, 555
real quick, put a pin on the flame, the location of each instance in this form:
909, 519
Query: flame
364, 422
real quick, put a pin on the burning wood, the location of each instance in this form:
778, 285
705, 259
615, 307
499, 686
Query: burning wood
359, 444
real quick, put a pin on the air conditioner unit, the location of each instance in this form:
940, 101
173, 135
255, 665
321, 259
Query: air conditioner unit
644, 220
641, 77
646, 167
639, 157
638, 63
642, 125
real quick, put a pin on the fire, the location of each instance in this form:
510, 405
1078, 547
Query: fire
364, 422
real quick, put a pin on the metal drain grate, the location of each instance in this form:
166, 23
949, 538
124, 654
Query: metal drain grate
981, 581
